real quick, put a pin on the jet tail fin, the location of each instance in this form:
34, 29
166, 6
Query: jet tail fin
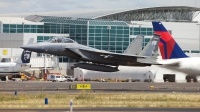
136, 46
26, 55
30, 41
151, 49
168, 47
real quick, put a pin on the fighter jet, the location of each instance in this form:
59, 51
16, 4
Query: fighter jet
62, 46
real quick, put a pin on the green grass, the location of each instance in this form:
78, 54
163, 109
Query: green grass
86, 99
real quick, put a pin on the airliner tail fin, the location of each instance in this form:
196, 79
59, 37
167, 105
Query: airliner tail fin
168, 47
26, 55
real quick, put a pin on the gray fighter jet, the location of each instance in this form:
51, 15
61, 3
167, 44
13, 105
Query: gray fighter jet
62, 46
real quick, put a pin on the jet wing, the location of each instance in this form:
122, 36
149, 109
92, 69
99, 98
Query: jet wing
149, 51
111, 55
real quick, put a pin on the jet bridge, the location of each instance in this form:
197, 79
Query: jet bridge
38, 62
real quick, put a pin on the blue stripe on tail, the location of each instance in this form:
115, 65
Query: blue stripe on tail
177, 52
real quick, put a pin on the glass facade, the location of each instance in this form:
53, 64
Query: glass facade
77, 32
146, 31
194, 51
186, 51
141, 30
110, 35
22, 28
43, 38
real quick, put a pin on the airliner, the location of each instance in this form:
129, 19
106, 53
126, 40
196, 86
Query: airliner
21, 64
173, 56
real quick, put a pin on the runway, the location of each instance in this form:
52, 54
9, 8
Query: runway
99, 86
115, 109
32, 87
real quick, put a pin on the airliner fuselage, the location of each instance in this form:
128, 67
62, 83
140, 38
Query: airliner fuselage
190, 65
11, 68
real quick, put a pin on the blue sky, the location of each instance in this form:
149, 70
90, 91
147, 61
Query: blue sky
26, 6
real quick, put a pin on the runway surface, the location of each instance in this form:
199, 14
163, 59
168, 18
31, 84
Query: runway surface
32, 87
99, 86
107, 110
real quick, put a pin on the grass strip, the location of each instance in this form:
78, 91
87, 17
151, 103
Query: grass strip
86, 99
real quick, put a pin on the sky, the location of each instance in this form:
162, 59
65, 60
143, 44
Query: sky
29, 6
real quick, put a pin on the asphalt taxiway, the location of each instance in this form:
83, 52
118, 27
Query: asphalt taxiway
107, 109
99, 86
32, 87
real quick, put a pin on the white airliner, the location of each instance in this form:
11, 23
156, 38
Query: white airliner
20, 65
173, 56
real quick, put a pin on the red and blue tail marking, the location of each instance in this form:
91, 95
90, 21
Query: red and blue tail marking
168, 47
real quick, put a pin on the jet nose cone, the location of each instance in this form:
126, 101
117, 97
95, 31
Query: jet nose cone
31, 47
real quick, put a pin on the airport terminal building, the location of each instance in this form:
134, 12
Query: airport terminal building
112, 32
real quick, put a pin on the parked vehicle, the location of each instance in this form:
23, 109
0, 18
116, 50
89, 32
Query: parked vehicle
69, 78
102, 80
58, 78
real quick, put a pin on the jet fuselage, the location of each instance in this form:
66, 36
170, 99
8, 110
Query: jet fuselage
76, 51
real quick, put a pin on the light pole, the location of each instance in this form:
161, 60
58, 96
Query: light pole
22, 27
199, 36
109, 27
45, 61
132, 22
139, 29
132, 27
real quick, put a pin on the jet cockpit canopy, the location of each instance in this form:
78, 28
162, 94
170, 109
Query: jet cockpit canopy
61, 40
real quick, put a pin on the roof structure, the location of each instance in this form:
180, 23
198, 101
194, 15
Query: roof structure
167, 13
74, 14
16, 20
70, 20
